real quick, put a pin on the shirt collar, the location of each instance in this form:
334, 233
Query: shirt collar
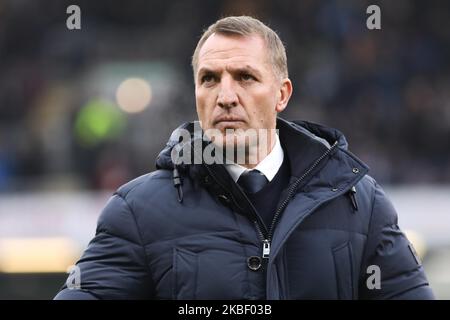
269, 166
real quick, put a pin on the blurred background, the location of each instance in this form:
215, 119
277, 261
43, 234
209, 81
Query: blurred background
84, 111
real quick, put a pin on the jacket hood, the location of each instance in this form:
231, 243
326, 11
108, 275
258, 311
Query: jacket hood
326, 135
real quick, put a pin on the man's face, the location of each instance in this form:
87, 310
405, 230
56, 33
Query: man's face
235, 84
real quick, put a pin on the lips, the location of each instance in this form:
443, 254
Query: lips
228, 120
228, 123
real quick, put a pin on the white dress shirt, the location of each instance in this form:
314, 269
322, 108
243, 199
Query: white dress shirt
269, 166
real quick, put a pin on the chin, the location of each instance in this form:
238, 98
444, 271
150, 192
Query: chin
238, 143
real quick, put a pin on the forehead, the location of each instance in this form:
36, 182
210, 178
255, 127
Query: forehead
220, 50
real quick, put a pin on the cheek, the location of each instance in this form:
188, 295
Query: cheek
200, 100
204, 105
263, 108
204, 95
264, 102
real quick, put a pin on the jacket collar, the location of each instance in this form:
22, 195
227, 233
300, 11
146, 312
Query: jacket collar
302, 147
303, 142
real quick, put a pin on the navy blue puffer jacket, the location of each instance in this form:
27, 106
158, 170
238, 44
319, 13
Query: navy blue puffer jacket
194, 240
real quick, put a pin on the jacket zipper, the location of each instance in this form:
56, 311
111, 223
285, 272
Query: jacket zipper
266, 236
293, 188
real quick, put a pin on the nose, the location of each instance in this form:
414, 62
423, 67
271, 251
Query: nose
227, 97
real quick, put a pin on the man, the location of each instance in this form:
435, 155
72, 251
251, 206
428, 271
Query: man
297, 218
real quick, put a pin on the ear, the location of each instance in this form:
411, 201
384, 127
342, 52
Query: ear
284, 94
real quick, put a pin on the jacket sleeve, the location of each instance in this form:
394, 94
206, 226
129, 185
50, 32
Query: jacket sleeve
114, 264
400, 270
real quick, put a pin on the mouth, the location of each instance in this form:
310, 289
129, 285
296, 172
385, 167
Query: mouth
228, 119
228, 123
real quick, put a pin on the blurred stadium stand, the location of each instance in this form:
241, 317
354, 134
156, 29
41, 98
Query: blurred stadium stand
70, 133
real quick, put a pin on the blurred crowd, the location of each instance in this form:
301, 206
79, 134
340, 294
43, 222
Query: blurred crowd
387, 90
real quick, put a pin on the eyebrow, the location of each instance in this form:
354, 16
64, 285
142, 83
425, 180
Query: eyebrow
247, 68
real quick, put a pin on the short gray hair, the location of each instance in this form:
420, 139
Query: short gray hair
247, 26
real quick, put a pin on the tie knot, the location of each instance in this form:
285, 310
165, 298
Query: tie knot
252, 181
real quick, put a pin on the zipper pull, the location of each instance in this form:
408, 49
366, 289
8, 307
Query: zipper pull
352, 196
266, 249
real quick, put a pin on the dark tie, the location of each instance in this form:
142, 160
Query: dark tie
252, 181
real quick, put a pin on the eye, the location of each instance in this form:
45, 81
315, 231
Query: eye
207, 78
247, 77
